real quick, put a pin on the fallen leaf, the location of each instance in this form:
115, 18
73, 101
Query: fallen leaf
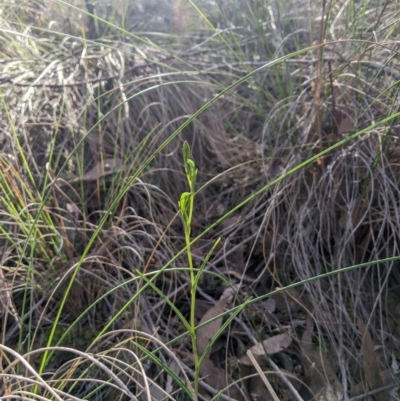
212, 375
270, 305
101, 169
388, 378
108, 166
337, 122
321, 377
372, 373
269, 346
73, 209
289, 302
218, 379
345, 125
206, 333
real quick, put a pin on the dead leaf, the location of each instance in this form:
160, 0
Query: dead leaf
106, 167
212, 375
337, 122
321, 377
270, 305
218, 379
269, 346
103, 168
371, 368
388, 378
289, 302
205, 334
73, 209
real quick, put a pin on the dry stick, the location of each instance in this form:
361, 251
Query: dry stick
272, 363
262, 375
372, 392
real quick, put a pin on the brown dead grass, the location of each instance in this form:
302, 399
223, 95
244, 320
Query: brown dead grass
71, 104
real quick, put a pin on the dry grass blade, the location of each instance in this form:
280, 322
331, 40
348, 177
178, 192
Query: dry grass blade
6, 300
31, 370
104, 96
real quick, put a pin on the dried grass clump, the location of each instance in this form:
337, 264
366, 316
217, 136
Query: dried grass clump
341, 211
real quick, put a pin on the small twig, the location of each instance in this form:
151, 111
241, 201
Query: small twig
262, 375
372, 392
276, 369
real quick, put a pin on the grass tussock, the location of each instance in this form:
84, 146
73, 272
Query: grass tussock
164, 164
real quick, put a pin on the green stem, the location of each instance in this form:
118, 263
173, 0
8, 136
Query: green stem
193, 282
186, 205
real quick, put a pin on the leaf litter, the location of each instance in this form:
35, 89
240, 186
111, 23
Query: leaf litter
320, 375
373, 379
205, 334
270, 346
